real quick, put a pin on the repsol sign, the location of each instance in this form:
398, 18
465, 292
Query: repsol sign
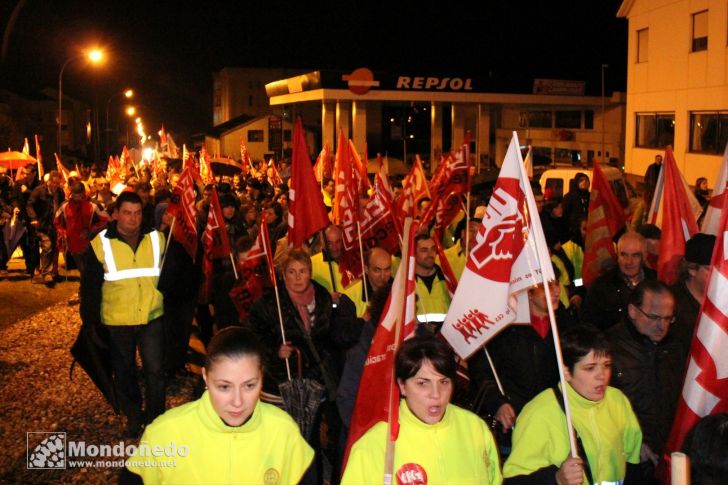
422, 83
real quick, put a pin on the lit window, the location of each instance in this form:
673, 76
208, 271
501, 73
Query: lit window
643, 39
700, 31
708, 132
654, 130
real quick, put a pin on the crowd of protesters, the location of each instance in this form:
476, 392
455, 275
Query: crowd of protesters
633, 327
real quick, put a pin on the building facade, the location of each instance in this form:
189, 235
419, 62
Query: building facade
677, 84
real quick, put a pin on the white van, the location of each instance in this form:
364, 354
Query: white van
558, 180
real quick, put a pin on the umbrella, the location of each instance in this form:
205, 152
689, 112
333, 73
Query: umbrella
15, 160
91, 351
302, 398
225, 166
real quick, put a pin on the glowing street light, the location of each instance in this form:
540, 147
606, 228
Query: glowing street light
94, 56
128, 93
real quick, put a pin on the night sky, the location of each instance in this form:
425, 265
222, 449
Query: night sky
167, 51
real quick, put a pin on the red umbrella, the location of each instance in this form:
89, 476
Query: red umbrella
15, 160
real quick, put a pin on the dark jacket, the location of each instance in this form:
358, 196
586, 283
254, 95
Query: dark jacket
43, 204
576, 203
525, 363
606, 299
687, 309
651, 376
333, 330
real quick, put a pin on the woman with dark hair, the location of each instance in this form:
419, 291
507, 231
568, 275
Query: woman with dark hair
228, 435
314, 325
438, 442
602, 417
702, 193
707, 447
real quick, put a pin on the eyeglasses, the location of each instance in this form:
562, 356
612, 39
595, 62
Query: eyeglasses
656, 318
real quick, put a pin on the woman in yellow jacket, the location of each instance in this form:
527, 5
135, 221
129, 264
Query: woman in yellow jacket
602, 417
228, 435
438, 442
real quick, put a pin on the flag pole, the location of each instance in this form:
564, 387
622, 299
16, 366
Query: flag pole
495, 374
361, 256
275, 289
235, 269
166, 244
552, 318
389, 450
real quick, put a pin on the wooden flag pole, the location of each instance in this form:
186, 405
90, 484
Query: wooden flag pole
278, 298
542, 262
166, 243
361, 256
389, 450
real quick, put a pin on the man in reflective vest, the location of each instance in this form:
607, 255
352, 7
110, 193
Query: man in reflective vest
432, 298
119, 290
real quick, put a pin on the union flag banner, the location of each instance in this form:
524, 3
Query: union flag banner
323, 167
252, 268
680, 210
305, 216
705, 389
378, 396
450, 182
205, 169
711, 221
346, 211
274, 178
215, 241
605, 218
245, 159
503, 263
414, 189
182, 208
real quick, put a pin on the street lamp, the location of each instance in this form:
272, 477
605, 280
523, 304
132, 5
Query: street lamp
129, 93
94, 56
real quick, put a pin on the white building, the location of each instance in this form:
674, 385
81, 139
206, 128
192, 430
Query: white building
677, 84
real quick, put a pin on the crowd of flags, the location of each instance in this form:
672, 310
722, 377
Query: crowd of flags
507, 259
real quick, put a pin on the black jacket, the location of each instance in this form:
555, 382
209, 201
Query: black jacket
651, 376
687, 309
525, 363
606, 299
333, 330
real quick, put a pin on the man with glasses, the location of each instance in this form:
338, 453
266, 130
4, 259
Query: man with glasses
648, 366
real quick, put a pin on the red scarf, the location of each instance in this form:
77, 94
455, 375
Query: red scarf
541, 325
302, 301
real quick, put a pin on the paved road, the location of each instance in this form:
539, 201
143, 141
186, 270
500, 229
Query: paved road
20, 299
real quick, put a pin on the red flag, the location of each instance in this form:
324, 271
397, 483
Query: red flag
451, 180
605, 218
717, 200
127, 162
378, 396
414, 189
245, 159
253, 273
378, 225
678, 220
305, 216
705, 390
346, 211
360, 168
182, 208
38, 157
63, 170
205, 169
215, 241
503, 262
323, 168
275, 178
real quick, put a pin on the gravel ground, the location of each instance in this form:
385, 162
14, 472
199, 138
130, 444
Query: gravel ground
36, 396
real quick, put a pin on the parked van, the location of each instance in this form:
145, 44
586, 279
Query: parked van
558, 181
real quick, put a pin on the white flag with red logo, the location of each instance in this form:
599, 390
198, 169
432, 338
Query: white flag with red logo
711, 222
503, 263
705, 390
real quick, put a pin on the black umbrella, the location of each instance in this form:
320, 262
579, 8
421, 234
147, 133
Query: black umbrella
225, 166
302, 398
91, 351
